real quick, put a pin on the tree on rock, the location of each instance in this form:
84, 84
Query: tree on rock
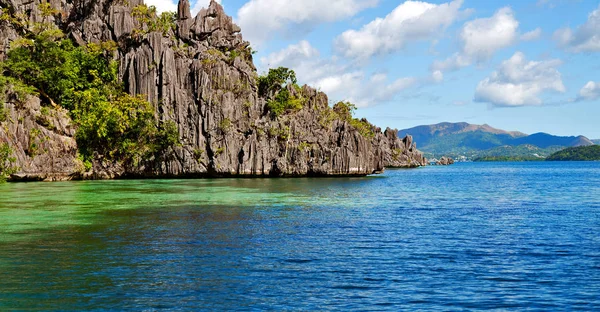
281, 89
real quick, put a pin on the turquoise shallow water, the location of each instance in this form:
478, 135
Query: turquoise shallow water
506, 236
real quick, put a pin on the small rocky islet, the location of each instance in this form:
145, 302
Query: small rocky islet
198, 75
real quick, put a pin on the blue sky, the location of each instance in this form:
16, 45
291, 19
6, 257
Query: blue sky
520, 65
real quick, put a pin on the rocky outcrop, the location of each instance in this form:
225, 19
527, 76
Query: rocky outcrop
401, 153
445, 161
42, 140
201, 76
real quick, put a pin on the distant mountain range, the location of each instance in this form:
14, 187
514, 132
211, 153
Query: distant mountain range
471, 141
596, 142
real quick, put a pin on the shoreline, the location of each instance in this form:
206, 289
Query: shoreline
33, 177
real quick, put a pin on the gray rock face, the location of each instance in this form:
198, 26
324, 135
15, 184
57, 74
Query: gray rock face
445, 161
193, 77
42, 141
401, 153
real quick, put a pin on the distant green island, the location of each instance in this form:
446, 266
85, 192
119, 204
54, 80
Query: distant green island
581, 153
507, 158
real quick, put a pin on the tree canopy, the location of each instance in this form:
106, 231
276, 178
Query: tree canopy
275, 86
581, 153
7, 162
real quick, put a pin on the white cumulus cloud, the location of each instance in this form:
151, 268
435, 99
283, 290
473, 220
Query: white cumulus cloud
196, 7
340, 81
481, 38
166, 5
410, 21
532, 35
291, 56
437, 76
260, 19
162, 5
590, 92
363, 89
585, 38
519, 82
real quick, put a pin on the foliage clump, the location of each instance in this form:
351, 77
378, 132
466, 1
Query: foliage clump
84, 81
225, 125
150, 21
198, 153
397, 153
34, 142
7, 162
3, 113
276, 86
49, 65
345, 112
219, 151
282, 133
245, 53
305, 146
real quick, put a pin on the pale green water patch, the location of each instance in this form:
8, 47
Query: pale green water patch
27, 209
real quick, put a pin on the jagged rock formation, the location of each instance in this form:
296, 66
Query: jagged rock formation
401, 153
445, 161
42, 141
201, 76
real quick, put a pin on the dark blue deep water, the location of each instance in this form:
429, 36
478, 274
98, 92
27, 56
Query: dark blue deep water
506, 236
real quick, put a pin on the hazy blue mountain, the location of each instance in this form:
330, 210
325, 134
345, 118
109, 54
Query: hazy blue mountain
545, 140
596, 141
464, 139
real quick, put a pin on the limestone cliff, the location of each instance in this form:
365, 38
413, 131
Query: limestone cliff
201, 76
445, 161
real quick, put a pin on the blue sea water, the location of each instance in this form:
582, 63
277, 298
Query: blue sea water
473, 236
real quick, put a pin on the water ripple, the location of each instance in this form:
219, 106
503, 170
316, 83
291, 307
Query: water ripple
467, 237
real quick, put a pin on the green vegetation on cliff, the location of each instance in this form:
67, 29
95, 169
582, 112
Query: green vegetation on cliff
283, 94
7, 162
345, 111
275, 86
3, 113
84, 80
150, 21
582, 153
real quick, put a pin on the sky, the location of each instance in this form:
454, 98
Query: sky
526, 65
